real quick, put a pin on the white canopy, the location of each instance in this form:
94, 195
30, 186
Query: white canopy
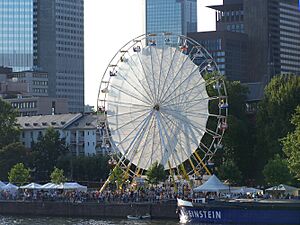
31, 186
213, 184
2, 184
247, 190
10, 187
72, 186
284, 188
49, 186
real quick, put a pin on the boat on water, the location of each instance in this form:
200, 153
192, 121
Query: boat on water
139, 217
240, 212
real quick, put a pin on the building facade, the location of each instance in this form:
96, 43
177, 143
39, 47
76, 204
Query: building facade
273, 30
49, 35
81, 132
229, 50
175, 16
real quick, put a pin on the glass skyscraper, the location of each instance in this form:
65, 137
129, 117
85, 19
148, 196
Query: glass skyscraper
16, 34
49, 35
175, 16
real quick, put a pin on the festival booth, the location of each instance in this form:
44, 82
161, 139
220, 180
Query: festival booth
49, 186
31, 186
72, 186
284, 189
213, 184
2, 184
11, 188
247, 191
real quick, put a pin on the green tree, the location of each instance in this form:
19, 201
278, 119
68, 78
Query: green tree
117, 177
276, 171
57, 176
281, 97
156, 173
238, 139
46, 153
10, 155
229, 171
291, 145
19, 174
9, 131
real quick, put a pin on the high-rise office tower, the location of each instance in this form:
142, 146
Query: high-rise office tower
273, 30
49, 35
175, 16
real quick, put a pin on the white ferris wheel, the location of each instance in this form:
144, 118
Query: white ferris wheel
163, 100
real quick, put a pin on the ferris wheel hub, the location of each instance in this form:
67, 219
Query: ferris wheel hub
156, 107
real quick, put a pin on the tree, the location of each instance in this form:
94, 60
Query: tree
277, 172
229, 171
281, 97
9, 131
117, 176
19, 174
46, 153
156, 173
291, 145
10, 155
57, 176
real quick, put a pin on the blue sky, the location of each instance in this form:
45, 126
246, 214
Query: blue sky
110, 24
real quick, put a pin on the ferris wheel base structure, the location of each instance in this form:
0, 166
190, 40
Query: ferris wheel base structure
164, 101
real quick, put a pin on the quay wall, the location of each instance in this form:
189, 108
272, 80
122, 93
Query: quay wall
107, 210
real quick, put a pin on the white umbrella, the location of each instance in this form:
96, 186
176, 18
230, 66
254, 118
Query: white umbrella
31, 186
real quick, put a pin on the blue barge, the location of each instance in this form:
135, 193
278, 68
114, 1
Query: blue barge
233, 212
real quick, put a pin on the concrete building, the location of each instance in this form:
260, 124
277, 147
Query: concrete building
48, 35
33, 106
273, 29
177, 17
82, 133
230, 51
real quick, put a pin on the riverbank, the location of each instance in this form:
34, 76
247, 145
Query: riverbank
109, 210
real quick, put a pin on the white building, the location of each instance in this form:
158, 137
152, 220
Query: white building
84, 134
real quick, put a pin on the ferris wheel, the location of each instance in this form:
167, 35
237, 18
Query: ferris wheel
163, 100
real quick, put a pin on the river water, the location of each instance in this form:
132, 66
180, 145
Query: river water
14, 220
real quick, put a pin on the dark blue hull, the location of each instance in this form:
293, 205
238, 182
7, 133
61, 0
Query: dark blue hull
241, 214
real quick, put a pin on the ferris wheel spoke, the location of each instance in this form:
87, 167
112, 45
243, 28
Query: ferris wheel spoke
129, 122
152, 73
142, 123
192, 113
131, 85
145, 74
176, 88
140, 82
117, 116
128, 104
160, 70
186, 135
166, 153
168, 73
145, 143
138, 141
131, 95
177, 73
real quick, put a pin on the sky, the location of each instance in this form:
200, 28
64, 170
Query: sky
110, 24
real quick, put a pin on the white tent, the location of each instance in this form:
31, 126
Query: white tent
49, 186
10, 187
213, 184
284, 189
72, 186
2, 184
247, 190
31, 186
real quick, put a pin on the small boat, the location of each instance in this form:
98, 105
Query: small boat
139, 217
240, 212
